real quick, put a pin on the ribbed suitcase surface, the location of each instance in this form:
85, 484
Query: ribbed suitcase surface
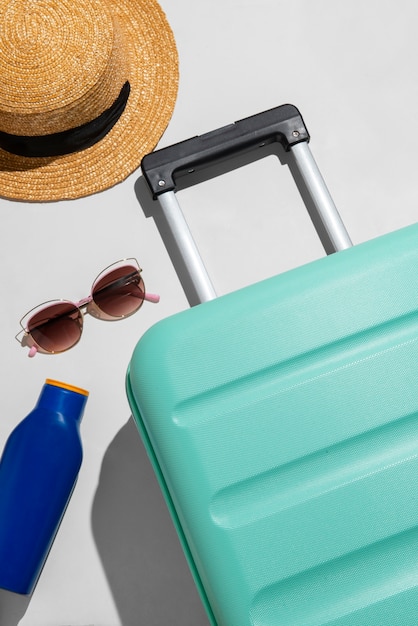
282, 422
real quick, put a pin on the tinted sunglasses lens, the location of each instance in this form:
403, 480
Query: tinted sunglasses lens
120, 292
56, 327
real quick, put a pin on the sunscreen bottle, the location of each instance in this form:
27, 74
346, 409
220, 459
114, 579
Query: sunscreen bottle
38, 470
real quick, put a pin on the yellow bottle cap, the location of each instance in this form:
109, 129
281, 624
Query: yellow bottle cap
58, 383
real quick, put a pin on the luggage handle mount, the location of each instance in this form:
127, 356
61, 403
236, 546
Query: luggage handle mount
162, 169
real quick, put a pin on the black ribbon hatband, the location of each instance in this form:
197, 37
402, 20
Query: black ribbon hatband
71, 140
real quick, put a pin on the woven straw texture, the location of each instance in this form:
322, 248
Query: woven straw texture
62, 63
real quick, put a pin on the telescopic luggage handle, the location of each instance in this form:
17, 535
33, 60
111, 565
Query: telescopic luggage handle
282, 125
162, 169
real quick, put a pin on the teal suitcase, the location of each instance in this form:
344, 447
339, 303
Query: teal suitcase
282, 419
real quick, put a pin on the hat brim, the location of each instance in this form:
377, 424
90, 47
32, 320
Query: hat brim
153, 76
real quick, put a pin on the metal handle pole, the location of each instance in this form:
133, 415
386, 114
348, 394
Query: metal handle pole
180, 231
323, 204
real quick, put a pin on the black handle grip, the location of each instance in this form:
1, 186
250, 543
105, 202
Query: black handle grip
283, 124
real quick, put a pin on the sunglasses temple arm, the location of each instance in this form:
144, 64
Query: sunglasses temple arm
32, 351
21, 337
152, 297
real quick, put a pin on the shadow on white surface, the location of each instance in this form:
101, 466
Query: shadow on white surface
12, 607
138, 546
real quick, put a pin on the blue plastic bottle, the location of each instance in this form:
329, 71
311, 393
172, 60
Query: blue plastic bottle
38, 471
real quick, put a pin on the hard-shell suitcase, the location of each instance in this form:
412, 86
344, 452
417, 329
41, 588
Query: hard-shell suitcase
282, 419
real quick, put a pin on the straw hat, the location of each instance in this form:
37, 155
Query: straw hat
87, 88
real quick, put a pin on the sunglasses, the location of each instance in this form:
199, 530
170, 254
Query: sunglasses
57, 325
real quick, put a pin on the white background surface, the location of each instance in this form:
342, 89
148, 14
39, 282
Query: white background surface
351, 69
